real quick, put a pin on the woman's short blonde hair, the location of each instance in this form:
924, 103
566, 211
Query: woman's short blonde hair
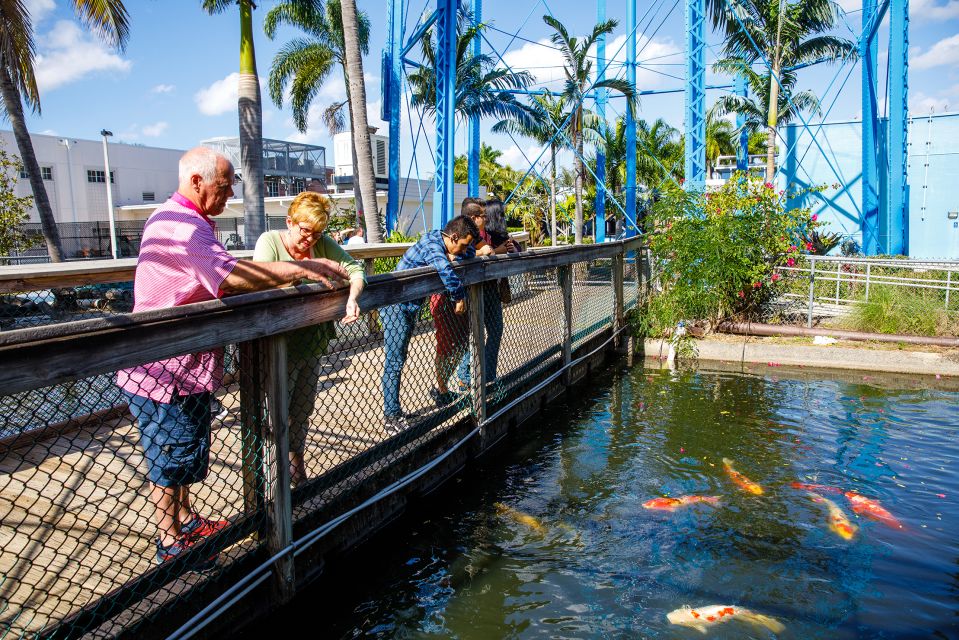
312, 208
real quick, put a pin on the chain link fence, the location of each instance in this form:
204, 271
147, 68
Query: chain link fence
305, 409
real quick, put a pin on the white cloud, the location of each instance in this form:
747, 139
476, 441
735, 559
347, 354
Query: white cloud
943, 53
39, 9
68, 54
49, 132
219, 97
921, 104
931, 10
156, 129
163, 88
514, 157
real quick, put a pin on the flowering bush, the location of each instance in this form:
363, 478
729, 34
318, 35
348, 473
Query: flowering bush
715, 252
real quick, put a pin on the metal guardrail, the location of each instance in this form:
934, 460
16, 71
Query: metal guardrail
77, 529
832, 283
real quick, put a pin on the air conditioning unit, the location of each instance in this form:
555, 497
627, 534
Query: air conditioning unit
343, 155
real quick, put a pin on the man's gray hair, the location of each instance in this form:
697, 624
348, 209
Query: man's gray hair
199, 161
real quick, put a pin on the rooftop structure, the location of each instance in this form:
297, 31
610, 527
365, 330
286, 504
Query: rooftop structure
288, 167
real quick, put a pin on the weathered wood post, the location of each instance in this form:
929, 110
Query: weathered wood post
477, 315
566, 285
373, 317
276, 465
619, 316
249, 373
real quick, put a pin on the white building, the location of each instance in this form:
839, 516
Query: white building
74, 175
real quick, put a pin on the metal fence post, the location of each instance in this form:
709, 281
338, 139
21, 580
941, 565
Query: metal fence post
812, 284
478, 353
566, 284
948, 286
618, 302
838, 279
276, 463
868, 274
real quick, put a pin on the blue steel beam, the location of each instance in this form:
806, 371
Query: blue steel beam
897, 239
445, 115
473, 157
630, 222
742, 151
868, 49
415, 38
695, 165
393, 90
599, 224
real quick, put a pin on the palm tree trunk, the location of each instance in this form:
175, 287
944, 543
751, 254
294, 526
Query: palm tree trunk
250, 109
359, 123
357, 193
11, 100
552, 191
578, 231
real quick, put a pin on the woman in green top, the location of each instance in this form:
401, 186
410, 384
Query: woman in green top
307, 219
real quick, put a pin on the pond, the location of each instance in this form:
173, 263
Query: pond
554, 535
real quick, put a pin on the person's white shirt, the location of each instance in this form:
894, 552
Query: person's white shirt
357, 239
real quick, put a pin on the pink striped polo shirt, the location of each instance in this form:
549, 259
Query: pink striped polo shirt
180, 262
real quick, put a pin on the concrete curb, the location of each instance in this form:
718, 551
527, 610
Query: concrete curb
823, 357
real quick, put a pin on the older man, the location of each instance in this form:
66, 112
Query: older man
181, 262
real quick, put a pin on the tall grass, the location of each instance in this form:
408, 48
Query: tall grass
902, 310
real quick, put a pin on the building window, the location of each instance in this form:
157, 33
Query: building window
149, 196
24, 175
95, 175
46, 173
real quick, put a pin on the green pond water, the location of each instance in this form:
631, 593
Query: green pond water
548, 537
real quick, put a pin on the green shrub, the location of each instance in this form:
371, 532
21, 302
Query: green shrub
905, 311
715, 252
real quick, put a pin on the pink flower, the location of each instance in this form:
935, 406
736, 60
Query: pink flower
792, 249
791, 262
776, 277
768, 185
756, 285
808, 246
815, 217
741, 294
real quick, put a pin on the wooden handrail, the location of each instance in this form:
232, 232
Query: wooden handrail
41, 356
33, 277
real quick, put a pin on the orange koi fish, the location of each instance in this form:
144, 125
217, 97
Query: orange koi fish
702, 618
524, 519
871, 509
815, 488
671, 504
838, 522
741, 481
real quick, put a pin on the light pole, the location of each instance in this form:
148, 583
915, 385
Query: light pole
73, 205
106, 162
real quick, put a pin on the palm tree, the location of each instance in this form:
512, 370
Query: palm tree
250, 111
786, 34
721, 139
658, 152
109, 20
756, 108
612, 140
579, 74
548, 113
305, 63
482, 88
358, 121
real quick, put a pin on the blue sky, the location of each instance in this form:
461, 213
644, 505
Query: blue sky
175, 84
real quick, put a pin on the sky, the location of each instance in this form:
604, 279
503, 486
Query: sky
175, 84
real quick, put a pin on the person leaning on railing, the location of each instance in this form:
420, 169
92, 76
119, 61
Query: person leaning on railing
181, 262
305, 222
437, 249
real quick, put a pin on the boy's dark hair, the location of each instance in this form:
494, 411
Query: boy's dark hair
462, 226
471, 207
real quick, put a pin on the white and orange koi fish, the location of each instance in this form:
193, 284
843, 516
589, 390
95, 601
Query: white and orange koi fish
838, 522
671, 504
741, 481
702, 618
871, 509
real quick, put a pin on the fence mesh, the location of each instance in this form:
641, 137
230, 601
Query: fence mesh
82, 464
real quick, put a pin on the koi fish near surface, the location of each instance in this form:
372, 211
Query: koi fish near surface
871, 509
523, 518
838, 522
741, 481
702, 618
671, 504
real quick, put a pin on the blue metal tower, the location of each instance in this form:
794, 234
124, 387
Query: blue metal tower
473, 157
695, 166
897, 240
445, 112
392, 93
599, 224
868, 48
630, 221
742, 151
